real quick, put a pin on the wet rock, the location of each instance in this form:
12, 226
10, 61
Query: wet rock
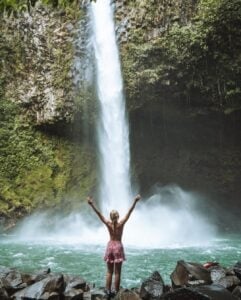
127, 295
217, 273
186, 272
215, 292
43, 289
153, 287
11, 280
237, 292
3, 293
184, 294
97, 294
228, 281
74, 294
75, 282
237, 269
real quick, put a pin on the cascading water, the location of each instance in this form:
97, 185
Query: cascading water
113, 133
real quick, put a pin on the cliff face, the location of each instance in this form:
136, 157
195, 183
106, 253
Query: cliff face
44, 161
181, 67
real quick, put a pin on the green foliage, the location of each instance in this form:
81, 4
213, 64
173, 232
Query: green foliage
14, 6
39, 170
199, 62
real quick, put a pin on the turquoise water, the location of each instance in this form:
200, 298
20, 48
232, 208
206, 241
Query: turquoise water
87, 261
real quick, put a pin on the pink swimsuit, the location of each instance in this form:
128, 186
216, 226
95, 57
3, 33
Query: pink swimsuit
114, 252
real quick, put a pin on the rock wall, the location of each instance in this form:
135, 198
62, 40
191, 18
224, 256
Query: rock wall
45, 161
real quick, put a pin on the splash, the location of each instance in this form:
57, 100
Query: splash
168, 219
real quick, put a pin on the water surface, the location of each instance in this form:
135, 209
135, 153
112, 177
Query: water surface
87, 260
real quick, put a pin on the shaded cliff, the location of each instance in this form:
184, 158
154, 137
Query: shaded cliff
181, 64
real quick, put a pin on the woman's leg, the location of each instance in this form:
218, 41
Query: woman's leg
117, 275
110, 269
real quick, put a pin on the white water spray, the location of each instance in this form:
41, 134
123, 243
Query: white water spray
113, 134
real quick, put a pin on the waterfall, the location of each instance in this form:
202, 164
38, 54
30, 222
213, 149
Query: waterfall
171, 217
113, 133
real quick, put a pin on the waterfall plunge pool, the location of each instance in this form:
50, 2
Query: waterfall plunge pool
87, 260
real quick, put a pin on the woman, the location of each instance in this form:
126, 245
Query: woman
114, 255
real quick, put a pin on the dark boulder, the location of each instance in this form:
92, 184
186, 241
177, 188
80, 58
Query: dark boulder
184, 294
44, 289
237, 269
186, 272
3, 293
127, 294
75, 282
73, 294
237, 292
11, 280
153, 287
215, 292
229, 281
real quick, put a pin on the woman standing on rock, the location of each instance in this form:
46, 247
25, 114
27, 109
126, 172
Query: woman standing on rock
114, 255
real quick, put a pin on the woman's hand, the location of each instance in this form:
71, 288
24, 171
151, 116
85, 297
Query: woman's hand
137, 198
90, 200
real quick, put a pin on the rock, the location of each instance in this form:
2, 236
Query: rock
127, 295
184, 294
74, 294
237, 292
75, 282
11, 280
152, 287
40, 275
186, 272
237, 269
97, 294
217, 273
229, 281
215, 292
3, 292
43, 288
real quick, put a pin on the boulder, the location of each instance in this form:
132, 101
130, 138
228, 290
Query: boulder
215, 292
184, 294
11, 280
237, 292
43, 289
75, 282
217, 272
237, 269
127, 294
153, 287
3, 293
186, 272
229, 281
97, 294
74, 294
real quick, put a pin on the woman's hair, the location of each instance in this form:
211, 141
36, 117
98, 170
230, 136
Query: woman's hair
114, 216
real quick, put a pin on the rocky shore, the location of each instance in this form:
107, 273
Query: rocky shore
191, 281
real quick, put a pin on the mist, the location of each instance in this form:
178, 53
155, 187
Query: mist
169, 218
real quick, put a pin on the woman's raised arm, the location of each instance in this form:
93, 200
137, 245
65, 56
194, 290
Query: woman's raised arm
91, 203
125, 219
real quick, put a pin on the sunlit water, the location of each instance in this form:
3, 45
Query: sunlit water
87, 261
